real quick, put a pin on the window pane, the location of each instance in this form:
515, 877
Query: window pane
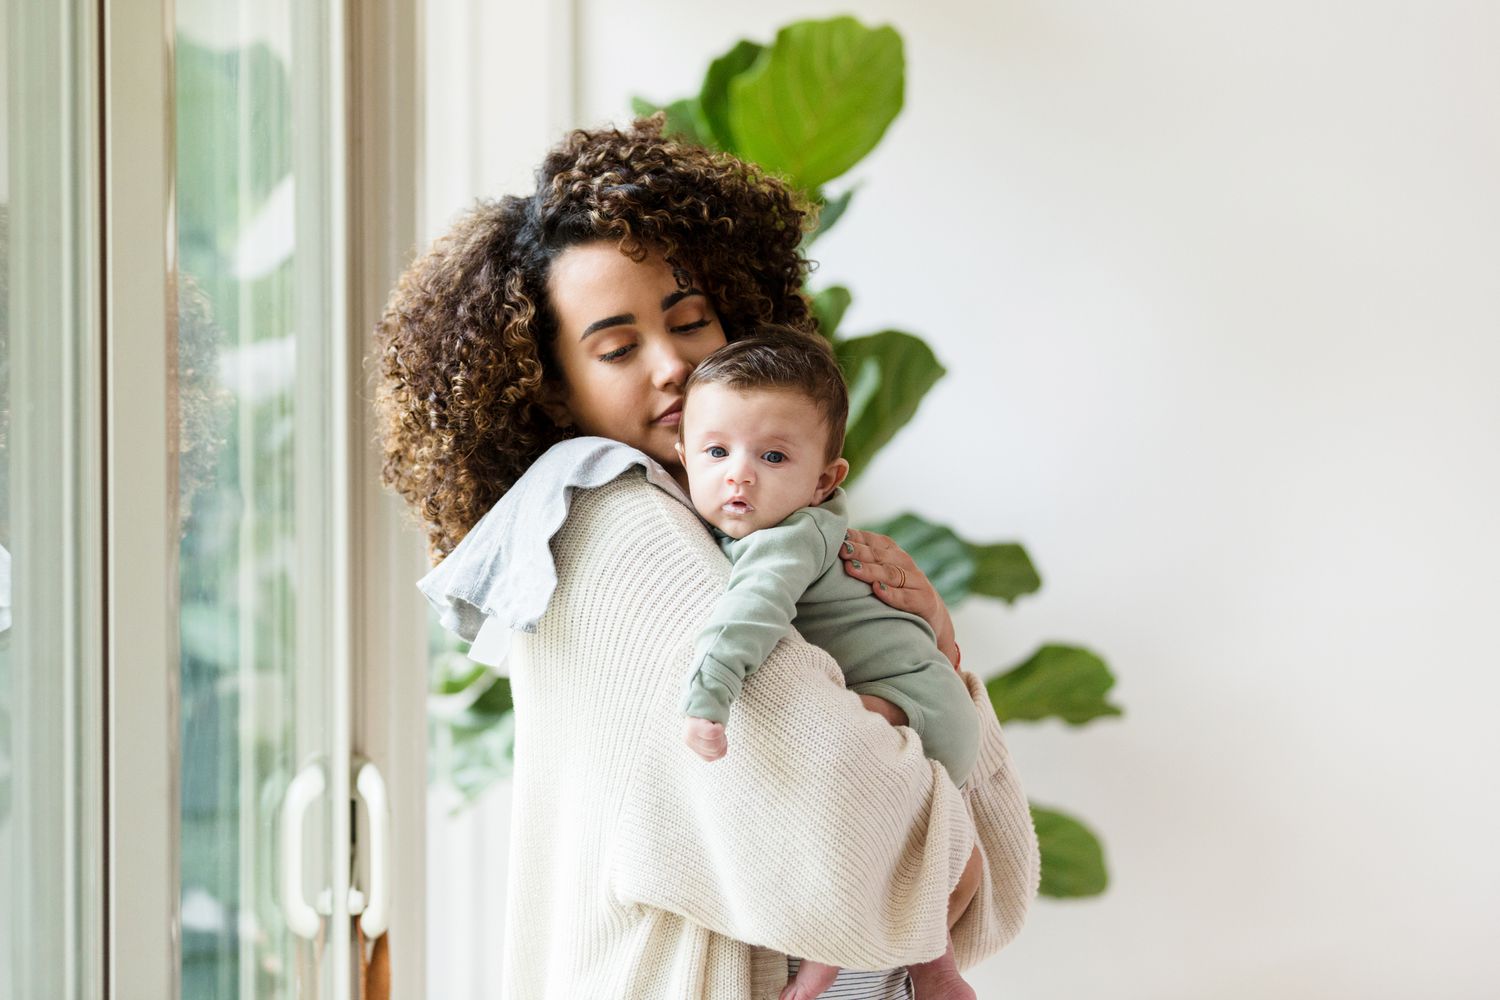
253, 325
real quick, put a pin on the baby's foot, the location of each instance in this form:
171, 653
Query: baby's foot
812, 979
939, 979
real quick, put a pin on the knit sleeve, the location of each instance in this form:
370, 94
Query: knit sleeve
824, 832
1007, 842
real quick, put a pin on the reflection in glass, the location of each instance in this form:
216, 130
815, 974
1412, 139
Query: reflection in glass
237, 296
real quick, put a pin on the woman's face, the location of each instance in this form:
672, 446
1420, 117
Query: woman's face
627, 338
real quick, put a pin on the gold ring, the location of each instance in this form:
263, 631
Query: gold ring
902, 582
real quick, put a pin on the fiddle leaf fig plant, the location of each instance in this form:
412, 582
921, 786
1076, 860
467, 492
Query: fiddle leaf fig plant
808, 107
888, 374
854, 80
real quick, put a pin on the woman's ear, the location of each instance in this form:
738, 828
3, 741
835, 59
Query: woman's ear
836, 473
553, 402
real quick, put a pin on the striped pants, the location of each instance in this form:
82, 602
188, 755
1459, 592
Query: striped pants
891, 984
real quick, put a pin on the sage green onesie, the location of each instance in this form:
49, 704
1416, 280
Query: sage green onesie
791, 573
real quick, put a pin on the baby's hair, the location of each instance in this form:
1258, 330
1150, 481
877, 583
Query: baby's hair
781, 357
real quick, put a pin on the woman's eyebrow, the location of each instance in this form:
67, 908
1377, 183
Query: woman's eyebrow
677, 296
600, 324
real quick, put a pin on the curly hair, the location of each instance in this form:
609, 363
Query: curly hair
466, 341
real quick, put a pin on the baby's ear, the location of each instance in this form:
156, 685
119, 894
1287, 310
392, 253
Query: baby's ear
681, 455
836, 473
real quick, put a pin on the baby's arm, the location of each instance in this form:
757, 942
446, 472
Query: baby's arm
773, 567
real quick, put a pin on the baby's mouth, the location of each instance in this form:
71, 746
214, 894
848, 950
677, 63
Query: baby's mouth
738, 506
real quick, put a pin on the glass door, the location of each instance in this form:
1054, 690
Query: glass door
181, 444
264, 670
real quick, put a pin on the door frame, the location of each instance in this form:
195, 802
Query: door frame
378, 633
388, 638
141, 679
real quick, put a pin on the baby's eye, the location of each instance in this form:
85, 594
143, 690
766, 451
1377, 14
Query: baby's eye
714, 451
774, 457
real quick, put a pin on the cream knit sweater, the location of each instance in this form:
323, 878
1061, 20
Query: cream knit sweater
639, 871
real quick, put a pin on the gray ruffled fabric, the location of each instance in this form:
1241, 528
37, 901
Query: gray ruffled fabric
503, 569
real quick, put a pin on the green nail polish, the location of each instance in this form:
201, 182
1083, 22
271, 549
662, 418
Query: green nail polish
856, 563
882, 586
848, 546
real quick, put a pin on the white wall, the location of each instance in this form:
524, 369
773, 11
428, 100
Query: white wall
1217, 288
498, 93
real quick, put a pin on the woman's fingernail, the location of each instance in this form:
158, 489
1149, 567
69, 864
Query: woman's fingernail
856, 563
882, 586
848, 546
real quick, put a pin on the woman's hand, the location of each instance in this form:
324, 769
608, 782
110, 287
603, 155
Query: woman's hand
894, 578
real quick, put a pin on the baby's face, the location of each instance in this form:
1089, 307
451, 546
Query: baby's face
753, 457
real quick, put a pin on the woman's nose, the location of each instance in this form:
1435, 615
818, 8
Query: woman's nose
671, 364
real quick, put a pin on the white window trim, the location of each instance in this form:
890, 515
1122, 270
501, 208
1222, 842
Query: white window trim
388, 641
141, 547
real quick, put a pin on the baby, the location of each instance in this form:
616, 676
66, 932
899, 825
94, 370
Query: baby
760, 438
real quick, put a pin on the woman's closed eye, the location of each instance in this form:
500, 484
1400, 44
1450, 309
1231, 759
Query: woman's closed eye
684, 329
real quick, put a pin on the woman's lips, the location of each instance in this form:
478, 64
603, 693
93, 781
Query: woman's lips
672, 417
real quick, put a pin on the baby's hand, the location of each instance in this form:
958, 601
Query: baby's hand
706, 738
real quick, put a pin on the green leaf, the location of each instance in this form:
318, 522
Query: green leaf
713, 99
454, 673
819, 100
684, 118
958, 568
1072, 857
1067, 682
888, 374
1003, 570
829, 212
470, 754
829, 307
495, 700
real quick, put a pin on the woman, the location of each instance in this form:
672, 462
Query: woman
637, 870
